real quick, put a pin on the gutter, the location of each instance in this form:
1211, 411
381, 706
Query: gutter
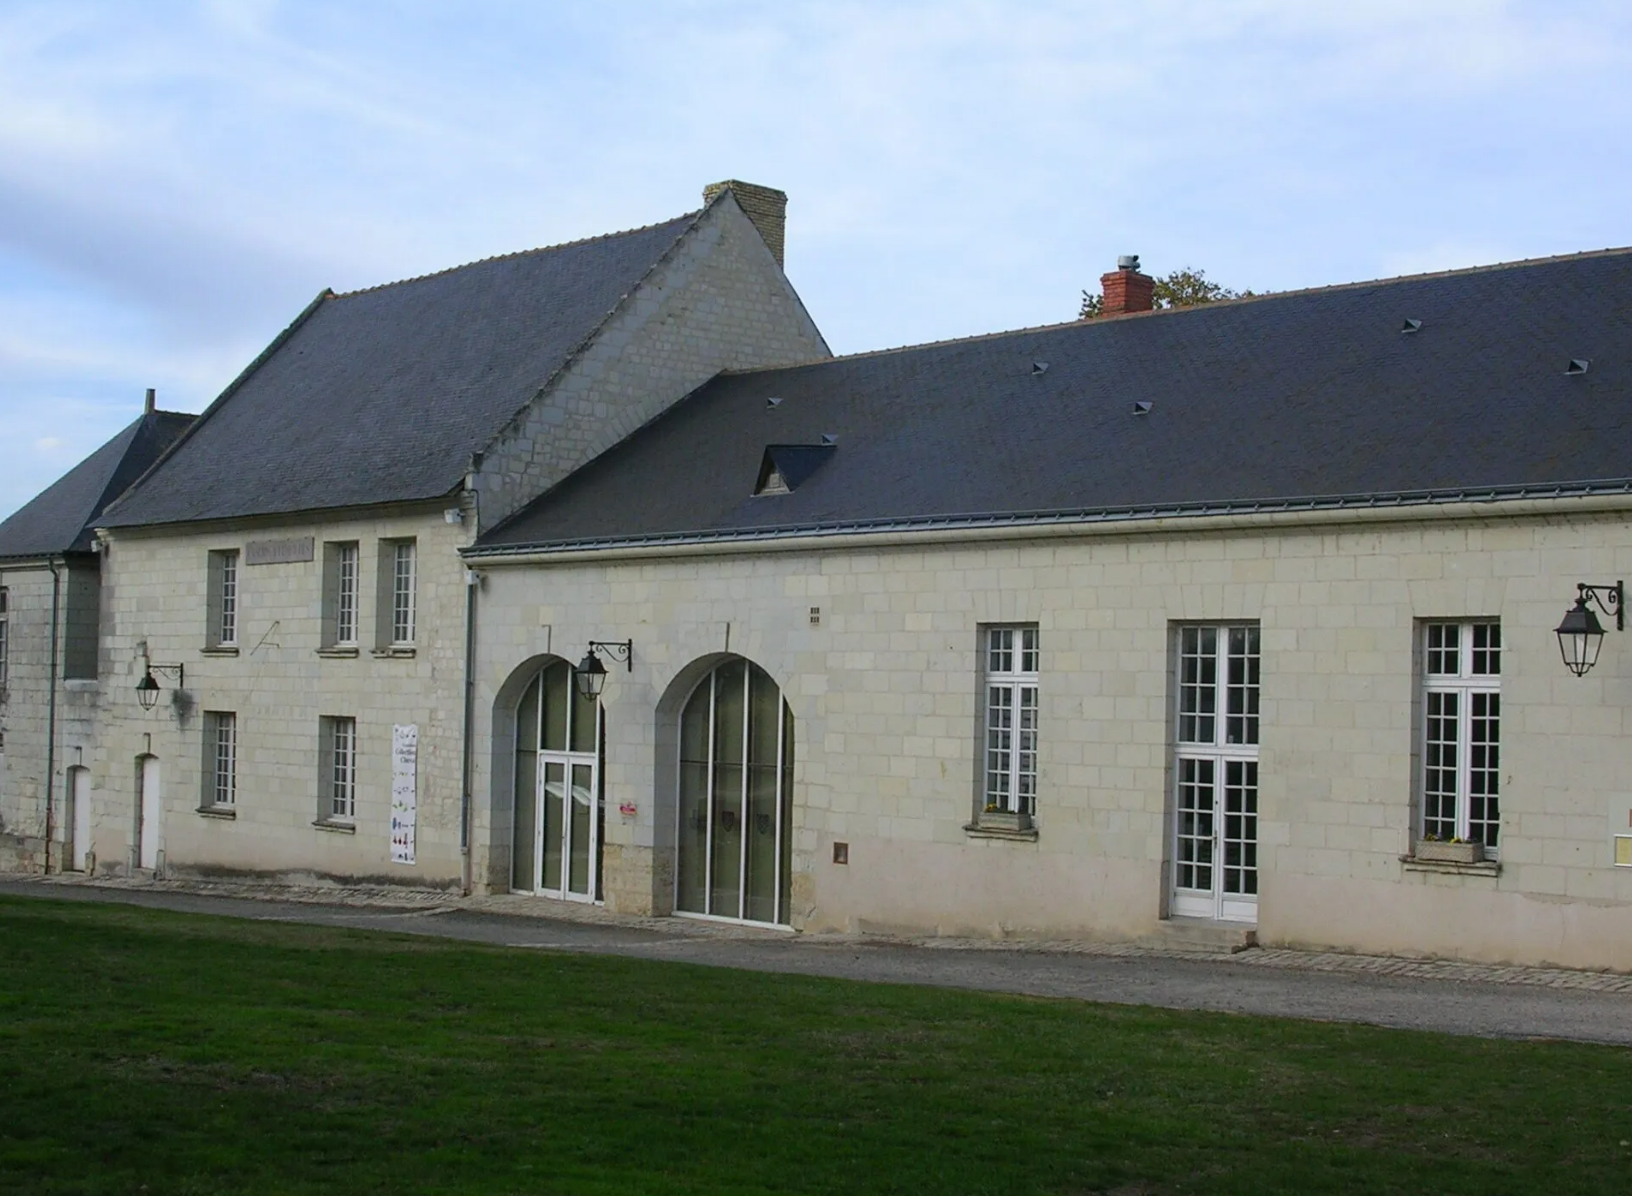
51, 715
1423, 506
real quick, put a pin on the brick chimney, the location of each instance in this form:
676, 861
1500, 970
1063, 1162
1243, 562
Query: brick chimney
1126, 290
765, 206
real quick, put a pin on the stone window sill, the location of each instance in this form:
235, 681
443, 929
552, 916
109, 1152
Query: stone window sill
394, 652
1490, 868
338, 653
219, 650
216, 812
341, 828
1006, 830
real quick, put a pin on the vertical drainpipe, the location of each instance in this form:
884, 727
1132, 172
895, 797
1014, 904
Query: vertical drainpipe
466, 759
51, 715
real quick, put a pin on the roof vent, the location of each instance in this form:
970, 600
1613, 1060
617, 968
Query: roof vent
1578, 365
772, 404
1128, 261
1411, 326
1141, 407
830, 438
1039, 367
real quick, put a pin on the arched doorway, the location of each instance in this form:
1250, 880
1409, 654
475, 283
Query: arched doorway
149, 807
736, 797
559, 811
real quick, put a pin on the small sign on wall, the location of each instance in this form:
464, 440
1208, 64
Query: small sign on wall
1620, 829
404, 792
1623, 851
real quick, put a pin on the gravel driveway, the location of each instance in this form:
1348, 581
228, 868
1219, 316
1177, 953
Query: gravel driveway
1456, 998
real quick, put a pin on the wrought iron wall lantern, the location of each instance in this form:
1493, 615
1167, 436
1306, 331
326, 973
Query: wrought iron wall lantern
1581, 635
147, 689
591, 673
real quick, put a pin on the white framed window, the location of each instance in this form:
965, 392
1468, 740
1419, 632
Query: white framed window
402, 564
1461, 732
1011, 721
340, 586
5, 656
220, 759
1215, 799
338, 769
223, 599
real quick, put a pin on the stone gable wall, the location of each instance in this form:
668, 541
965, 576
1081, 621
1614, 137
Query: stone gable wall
719, 303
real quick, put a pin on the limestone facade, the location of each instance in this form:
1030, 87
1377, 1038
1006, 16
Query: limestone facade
278, 680
875, 642
38, 735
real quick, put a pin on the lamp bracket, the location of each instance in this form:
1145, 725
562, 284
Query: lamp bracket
178, 671
622, 651
1611, 599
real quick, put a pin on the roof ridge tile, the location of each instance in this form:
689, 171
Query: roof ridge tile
518, 253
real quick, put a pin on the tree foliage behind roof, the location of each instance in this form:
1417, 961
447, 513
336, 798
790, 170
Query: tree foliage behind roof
1184, 287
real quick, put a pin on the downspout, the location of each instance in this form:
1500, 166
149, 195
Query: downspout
51, 715
470, 719
466, 763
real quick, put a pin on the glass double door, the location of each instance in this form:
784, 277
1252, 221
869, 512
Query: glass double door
1215, 800
1215, 856
559, 811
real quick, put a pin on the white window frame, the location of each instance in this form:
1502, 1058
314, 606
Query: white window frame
1461, 694
223, 598
342, 584
1218, 698
221, 760
338, 788
1010, 701
404, 578
5, 654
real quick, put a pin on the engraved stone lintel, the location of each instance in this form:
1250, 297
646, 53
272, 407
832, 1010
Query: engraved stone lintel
278, 552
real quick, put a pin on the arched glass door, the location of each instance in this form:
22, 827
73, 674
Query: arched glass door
559, 816
736, 797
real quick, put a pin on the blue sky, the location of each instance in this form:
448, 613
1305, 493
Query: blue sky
178, 180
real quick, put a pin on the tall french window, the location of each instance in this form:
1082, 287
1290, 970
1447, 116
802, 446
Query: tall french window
1461, 735
1011, 720
220, 759
402, 592
339, 769
1215, 851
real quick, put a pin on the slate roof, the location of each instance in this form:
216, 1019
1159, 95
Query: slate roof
1298, 399
61, 518
382, 395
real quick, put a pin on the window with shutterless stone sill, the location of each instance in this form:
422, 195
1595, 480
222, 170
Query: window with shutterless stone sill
1461, 680
1008, 798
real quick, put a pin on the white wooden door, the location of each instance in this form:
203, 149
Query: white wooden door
79, 786
148, 814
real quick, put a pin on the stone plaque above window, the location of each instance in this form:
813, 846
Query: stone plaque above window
279, 552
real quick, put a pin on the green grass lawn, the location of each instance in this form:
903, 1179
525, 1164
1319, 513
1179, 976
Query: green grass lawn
156, 1052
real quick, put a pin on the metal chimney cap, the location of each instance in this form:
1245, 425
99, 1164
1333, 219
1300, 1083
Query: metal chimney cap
1128, 261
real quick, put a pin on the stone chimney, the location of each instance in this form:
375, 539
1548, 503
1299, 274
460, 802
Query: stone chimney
151, 402
1126, 290
765, 206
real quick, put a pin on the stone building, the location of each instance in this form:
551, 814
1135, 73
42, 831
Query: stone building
51, 682
285, 588
1215, 622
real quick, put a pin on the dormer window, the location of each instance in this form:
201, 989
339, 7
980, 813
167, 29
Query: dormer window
786, 467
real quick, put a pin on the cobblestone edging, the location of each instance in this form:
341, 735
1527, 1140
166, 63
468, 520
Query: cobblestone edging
431, 902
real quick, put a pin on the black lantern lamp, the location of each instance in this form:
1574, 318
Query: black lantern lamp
1581, 635
147, 689
591, 673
